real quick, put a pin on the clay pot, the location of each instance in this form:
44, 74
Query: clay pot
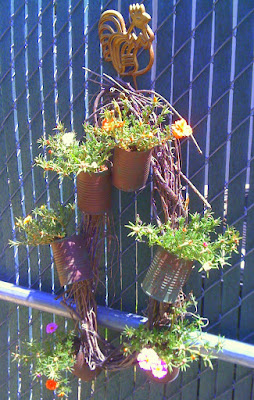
130, 169
94, 192
71, 260
170, 377
82, 370
166, 276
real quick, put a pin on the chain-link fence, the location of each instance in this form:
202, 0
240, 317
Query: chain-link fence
204, 67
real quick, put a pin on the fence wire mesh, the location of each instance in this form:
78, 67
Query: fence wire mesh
204, 66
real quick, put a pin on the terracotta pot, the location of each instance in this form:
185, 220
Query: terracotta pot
82, 370
71, 260
170, 377
94, 192
130, 169
166, 276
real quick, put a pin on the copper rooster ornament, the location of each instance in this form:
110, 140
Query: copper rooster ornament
121, 46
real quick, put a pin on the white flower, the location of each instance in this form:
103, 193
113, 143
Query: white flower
94, 165
146, 358
207, 266
68, 138
159, 369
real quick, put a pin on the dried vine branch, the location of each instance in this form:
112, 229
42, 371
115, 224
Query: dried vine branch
166, 167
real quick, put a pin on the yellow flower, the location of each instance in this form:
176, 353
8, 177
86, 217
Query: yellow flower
181, 129
28, 219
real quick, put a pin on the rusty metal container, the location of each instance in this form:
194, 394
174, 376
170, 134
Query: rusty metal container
130, 169
71, 260
166, 276
82, 370
94, 192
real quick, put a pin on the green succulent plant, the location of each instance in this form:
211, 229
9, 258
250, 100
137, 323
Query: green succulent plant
178, 342
44, 225
67, 155
51, 359
196, 240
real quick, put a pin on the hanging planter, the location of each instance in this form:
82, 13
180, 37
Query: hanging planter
130, 169
170, 341
179, 246
166, 276
82, 370
135, 130
94, 192
88, 159
71, 260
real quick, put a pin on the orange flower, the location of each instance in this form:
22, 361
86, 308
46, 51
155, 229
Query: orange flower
181, 129
108, 125
193, 357
51, 384
28, 219
120, 124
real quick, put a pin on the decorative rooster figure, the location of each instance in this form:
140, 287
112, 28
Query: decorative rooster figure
121, 46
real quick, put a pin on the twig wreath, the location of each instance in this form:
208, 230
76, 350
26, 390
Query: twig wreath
143, 125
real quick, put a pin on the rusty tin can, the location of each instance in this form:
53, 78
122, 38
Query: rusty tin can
166, 276
71, 260
94, 192
130, 169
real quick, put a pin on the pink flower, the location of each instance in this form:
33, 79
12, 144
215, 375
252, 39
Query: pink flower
146, 358
205, 244
159, 369
52, 327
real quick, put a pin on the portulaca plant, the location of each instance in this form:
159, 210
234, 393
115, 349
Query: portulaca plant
196, 240
175, 343
67, 155
51, 359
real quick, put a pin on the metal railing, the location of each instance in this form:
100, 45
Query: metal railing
233, 351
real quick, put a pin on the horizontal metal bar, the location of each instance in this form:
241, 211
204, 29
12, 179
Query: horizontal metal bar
107, 317
233, 351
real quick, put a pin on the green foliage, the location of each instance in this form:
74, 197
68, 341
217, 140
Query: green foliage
67, 155
44, 226
196, 240
50, 359
179, 343
135, 130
